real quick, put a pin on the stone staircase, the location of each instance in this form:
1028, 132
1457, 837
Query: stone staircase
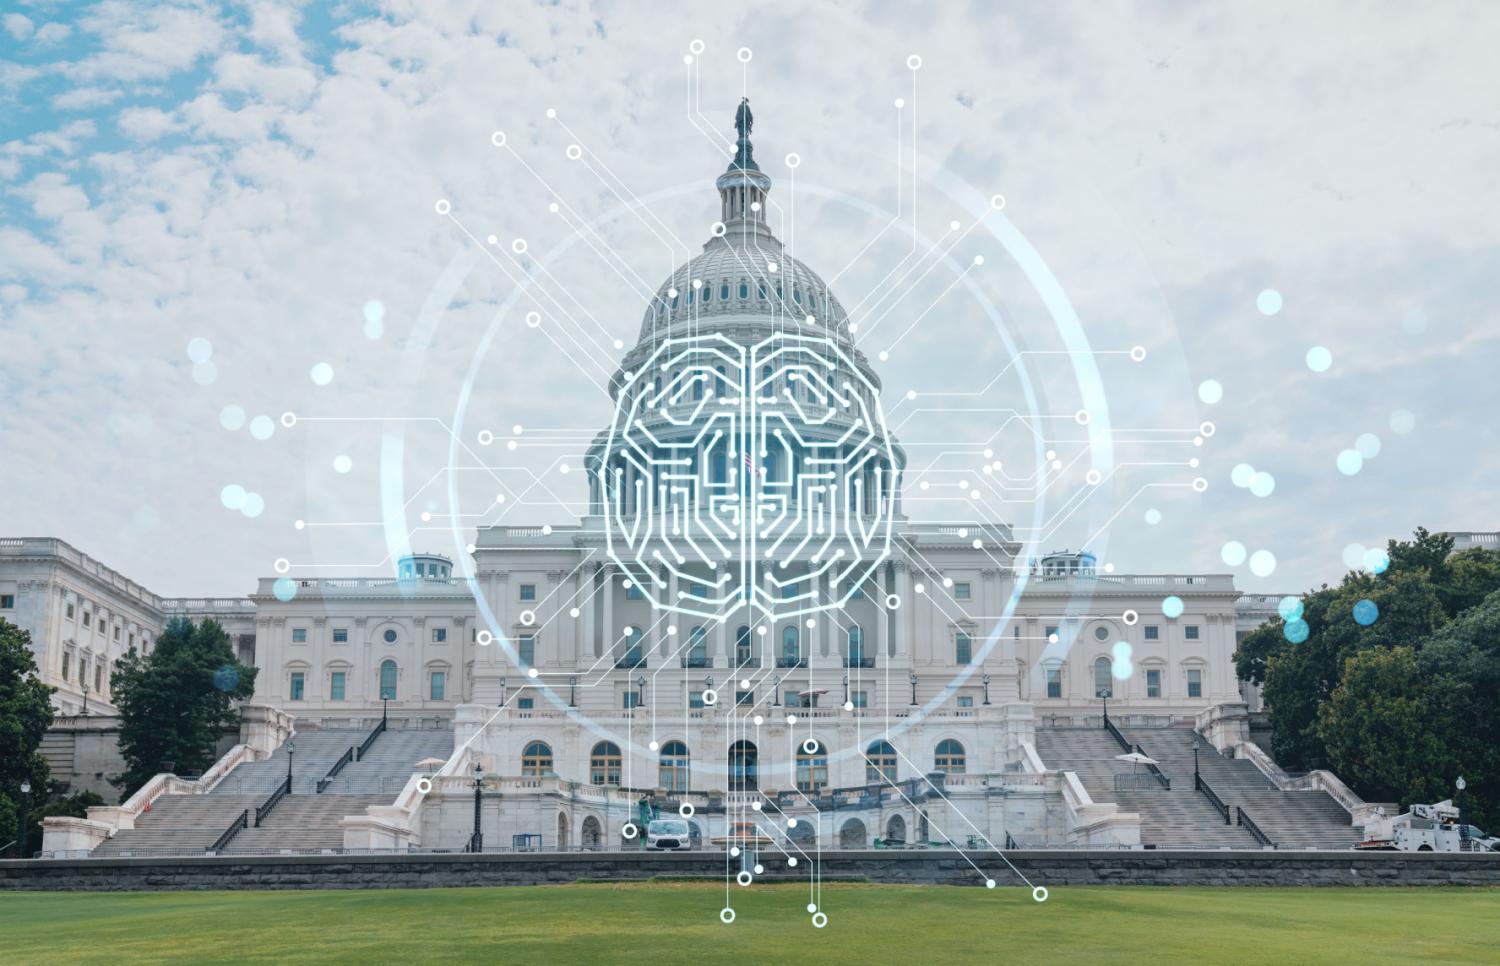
1291, 819
316, 752
178, 825
390, 762
1087, 752
303, 823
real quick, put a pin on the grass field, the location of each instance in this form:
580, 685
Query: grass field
673, 923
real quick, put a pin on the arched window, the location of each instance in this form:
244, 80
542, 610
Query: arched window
744, 767
1101, 677
880, 762
797, 295
789, 646
388, 680
744, 289
812, 766
697, 387
604, 764
856, 646
742, 647
673, 772
724, 292
536, 760
949, 758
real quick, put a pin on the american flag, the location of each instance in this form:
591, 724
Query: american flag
750, 466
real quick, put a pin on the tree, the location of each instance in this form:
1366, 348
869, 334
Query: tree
25, 715
75, 806
175, 703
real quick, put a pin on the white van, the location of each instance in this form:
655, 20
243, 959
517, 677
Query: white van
669, 835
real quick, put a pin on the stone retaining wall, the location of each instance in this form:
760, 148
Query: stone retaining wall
1049, 868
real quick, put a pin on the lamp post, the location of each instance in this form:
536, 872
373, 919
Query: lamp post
1463, 830
846, 689
1195, 762
291, 750
986, 681
384, 699
573, 691
1105, 695
640, 683
476, 841
85, 700
913, 680
776, 692
21, 829
502, 692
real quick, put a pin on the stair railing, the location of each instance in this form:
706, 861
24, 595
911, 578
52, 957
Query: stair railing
1010, 843
1155, 770
264, 808
1110, 727
338, 766
375, 732
241, 821
1212, 796
1246, 823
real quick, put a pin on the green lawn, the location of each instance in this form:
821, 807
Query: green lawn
679, 923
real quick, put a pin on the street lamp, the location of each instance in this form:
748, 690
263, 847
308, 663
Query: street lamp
846, 689
1105, 695
502, 692
476, 841
913, 680
1195, 762
85, 700
986, 680
1463, 830
291, 749
775, 692
573, 691
21, 829
640, 683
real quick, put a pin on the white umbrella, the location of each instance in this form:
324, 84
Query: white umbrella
812, 692
1136, 758
430, 762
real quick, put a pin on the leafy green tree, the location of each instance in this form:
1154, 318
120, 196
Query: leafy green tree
75, 805
25, 715
175, 703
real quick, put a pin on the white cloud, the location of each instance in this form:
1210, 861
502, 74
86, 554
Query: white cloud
82, 98
53, 33
147, 123
18, 25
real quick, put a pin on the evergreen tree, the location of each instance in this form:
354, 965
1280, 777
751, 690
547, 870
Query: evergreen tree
176, 702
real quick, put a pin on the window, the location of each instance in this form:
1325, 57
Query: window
1101, 633
341, 635
963, 648
1153, 633
744, 290
98, 678
634, 592
298, 681
336, 686
695, 701
390, 636
7, 601
526, 649
961, 591
117, 632
673, 771
631, 699
436, 685
860, 699
812, 766
439, 635
698, 590
1101, 677
528, 591
856, 646
966, 700
604, 764
299, 635
744, 765
789, 591
789, 646
724, 292
388, 680
1195, 683
880, 762
1153, 683
67, 664
525, 704
536, 760
698, 648
88, 619
1190, 632
70, 610
949, 758
744, 698
1051, 632
742, 649
1054, 683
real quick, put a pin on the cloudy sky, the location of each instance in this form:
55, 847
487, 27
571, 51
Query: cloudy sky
216, 212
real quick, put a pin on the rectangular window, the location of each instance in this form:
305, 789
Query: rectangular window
961, 591
70, 610
7, 601
98, 678
525, 704
336, 686
298, 680
1054, 684
856, 592
1051, 632
67, 664
1153, 683
439, 680
698, 590
117, 632
695, 700
791, 699
861, 699
632, 699
439, 635
1195, 683
1190, 632
131, 643
88, 618
528, 591
341, 635
526, 648
789, 591
963, 648
634, 592
299, 635
744, 698
1153, 633
966, 700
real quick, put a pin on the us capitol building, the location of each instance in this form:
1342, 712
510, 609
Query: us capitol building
931, 697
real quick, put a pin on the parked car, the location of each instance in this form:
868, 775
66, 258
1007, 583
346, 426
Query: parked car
669, 835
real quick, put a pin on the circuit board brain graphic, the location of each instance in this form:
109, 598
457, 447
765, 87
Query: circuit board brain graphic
759, 476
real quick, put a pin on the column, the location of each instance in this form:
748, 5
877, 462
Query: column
610, 632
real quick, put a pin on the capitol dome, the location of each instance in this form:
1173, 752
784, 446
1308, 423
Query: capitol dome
743, 273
